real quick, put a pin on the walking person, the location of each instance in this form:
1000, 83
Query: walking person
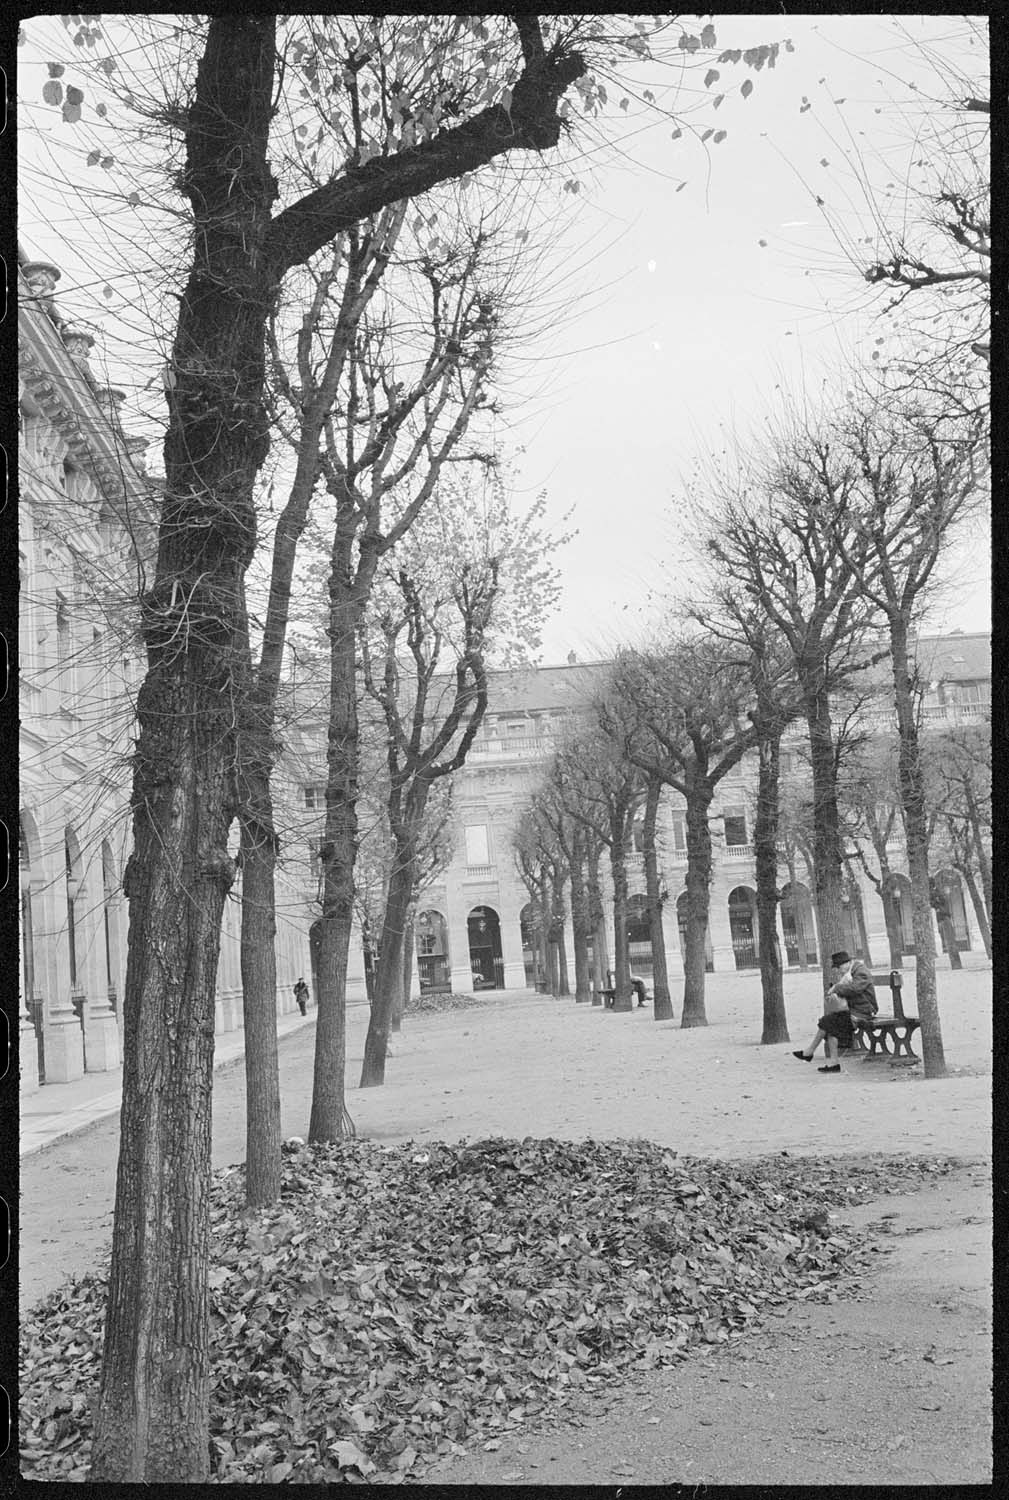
852, 995
301, 995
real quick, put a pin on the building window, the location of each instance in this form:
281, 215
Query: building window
477, 846
679, 832
315, 797
735, 826
786, 762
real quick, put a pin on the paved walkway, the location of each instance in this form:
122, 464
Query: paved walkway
59, 1109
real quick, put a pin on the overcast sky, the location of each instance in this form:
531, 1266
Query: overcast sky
694, 311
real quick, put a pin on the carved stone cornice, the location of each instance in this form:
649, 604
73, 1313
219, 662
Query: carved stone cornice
63, 390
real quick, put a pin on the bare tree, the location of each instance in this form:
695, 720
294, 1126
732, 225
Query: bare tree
602, 792
957, 767
152, 1415
430, 728
776, 544
917, 477
677, 712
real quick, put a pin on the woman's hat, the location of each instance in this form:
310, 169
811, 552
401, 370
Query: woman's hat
837, 959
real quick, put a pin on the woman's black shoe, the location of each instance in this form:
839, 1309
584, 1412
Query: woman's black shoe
828, 1069
803, 1056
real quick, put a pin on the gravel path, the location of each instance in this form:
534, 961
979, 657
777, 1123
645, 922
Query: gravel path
855, 1392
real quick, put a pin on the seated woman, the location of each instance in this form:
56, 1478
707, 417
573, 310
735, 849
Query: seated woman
851, 996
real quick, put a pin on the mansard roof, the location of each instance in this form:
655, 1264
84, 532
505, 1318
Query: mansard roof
961, 656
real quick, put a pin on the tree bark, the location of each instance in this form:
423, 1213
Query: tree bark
912, 802
557, 881
855, 905
580, 925
259, 993
698, 881
598, 924
892, 924
623, 1000
765, 848
827, 864
407, 985
979, 909
152, 1419
983, 862
662, 1001
389, 982
339, 852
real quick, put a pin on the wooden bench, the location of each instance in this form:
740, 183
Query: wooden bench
887, 1036
609, 993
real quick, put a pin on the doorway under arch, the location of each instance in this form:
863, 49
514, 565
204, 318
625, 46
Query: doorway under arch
483, 929
639, 939
681, 927
743, 926
431, 932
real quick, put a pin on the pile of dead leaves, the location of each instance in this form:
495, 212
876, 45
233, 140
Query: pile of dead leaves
422, 1005
401, 1301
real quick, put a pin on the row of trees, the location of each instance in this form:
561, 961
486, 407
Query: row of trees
821, 560
368, 114
280, 333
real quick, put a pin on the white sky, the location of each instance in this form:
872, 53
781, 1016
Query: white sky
698, 329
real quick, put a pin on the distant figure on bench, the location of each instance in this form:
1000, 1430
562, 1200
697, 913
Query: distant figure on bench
610, 989
851, 995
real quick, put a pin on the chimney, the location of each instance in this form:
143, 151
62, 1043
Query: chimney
572, 659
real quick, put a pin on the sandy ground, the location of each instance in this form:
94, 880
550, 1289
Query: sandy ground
842, 1377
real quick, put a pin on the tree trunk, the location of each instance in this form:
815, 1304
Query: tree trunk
152, 1418
598, 925
259, 994
983, 862
407, 986
370, 962
389, 982
698, 881
912, 805
338, 855
765, 848
623, 1000
563, 982
543, 947
949, 942
557, 932
827, 869
553, 968
663, 1001
580, 929
855, 904
893, 935
979, 909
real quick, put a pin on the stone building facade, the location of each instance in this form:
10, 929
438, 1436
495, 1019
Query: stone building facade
87, 529
470, 926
